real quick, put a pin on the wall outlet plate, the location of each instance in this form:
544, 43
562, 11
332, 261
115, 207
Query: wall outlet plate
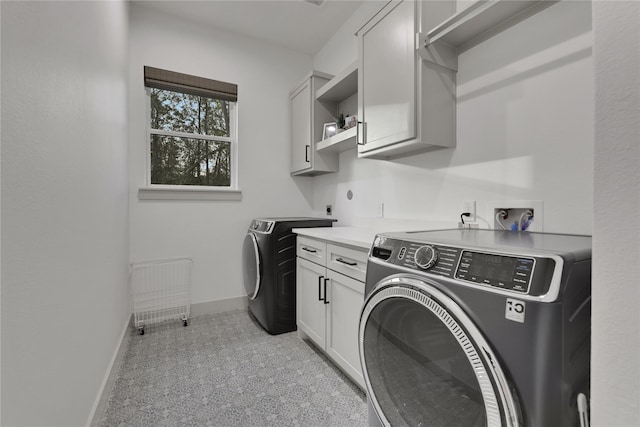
329, 210
470, 207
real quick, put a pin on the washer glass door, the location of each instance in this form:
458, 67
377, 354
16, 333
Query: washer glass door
251, 267
421, 366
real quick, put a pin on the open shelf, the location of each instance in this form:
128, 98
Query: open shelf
484, 19
343, 141
341, 86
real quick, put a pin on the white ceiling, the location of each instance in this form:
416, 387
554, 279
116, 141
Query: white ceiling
294, 24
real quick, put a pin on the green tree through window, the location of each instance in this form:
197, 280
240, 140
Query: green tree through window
191, 139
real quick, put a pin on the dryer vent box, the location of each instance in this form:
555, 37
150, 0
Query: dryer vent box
514, 212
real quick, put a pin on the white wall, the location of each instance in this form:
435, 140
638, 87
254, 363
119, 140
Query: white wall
524, 132
615, 364
0, 227
342, 49
212, 232
64, 206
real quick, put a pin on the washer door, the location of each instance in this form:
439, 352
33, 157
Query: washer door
252, 267
425, 362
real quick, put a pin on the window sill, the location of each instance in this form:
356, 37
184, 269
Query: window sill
188, 193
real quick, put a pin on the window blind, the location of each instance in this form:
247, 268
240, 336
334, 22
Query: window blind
185, 83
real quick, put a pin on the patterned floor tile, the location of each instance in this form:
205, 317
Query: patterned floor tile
225, 370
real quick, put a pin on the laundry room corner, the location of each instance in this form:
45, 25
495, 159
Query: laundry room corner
211, 232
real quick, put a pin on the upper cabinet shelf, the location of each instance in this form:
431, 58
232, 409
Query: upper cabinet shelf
343, 141
482, 20
341, 86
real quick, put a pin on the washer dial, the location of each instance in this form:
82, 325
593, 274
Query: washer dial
425, 257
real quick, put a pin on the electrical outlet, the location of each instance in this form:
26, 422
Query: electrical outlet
329, 210
470, 207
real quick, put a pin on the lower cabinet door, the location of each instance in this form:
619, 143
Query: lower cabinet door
345, 297
311, 311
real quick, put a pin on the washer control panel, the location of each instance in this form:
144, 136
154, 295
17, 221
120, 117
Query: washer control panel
435, 259
515, 273
425, 257
506, 272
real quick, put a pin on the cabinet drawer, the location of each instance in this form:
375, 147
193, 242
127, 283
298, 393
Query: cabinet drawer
348, 261
312, 250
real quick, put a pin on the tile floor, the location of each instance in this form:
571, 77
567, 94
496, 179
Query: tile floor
225, 370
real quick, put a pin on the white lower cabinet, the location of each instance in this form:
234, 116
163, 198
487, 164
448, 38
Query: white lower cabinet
312, 317
329, 304
345, 297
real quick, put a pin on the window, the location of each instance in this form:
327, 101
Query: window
192, 131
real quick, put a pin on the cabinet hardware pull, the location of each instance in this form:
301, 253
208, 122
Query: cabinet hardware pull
346, 262
325, 290
306, 153
364, 134
313, 251
320, 288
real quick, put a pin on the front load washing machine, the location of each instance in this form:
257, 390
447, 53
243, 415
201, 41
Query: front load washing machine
269, 264
477, 328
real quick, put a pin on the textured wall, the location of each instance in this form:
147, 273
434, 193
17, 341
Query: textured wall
64, 206
615, 364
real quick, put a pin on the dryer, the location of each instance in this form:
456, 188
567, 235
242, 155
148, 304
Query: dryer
269, 264
477, 328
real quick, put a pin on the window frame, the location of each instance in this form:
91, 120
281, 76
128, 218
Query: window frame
195, 192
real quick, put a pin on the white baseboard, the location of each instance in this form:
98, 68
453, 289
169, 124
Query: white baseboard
219, 306
95, 416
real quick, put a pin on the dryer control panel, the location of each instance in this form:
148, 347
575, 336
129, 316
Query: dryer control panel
516, 273
261, 226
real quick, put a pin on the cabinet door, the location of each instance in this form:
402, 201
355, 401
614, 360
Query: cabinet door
301, 127
345, 297
311, 311
387, 77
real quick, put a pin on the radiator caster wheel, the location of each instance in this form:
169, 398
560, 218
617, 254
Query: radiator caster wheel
185, 322
140, 331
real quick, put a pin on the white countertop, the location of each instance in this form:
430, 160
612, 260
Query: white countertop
353, 236
362, 237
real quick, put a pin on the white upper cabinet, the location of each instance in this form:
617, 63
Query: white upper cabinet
406, 104
403, 84
307, 119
